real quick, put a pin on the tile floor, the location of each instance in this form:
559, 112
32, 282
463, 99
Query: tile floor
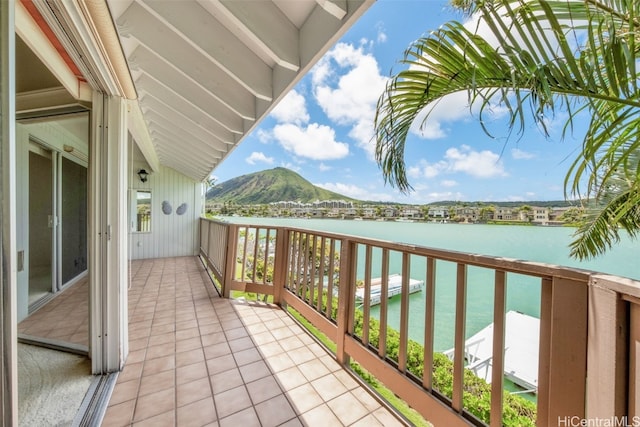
64, 319
199, 360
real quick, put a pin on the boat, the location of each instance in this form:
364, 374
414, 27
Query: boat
404, 220
394, 288
521, 343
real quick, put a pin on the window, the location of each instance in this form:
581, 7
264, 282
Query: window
142, 222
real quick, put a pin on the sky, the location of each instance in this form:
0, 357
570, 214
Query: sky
323, 128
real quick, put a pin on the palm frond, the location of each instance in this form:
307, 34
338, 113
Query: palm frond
552, 55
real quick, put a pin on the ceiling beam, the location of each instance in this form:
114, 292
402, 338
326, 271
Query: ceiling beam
225, 118
178, 152
175, 134
213, 129
223, 90
260, 24
138, 129
337, 8
215, 44
192, 131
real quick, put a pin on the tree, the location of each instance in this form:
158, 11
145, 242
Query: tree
573, 56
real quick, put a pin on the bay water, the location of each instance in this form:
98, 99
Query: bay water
548, 245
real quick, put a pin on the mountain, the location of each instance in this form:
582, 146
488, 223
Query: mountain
273, 185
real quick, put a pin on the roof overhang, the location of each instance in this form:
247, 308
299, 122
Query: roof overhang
207, 71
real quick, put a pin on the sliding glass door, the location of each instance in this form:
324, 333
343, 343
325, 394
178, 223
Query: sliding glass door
57, 221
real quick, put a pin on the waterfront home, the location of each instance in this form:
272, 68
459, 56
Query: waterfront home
111, 107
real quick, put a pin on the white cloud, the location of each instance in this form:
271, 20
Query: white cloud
519, 154
264, 136
257, 157
382, 35
323, 168
356, 192
445, 195
480, 164
315, 141
427, 170
448, 183
291, 109
346, 85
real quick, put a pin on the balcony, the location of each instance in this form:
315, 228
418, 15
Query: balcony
588, 321
197, 359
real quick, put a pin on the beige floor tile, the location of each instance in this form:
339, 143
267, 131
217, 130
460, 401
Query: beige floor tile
263, 389
196, 414
160, 364
244, 357
320, 416
240, 344
290, 378
221, 364
274, 411
189, 357
348, 408
232, 401
313, 369
244, 418
166, 419
304, 398
124, 392
301, 355
254, 371
192, 391
188, 373
329, 387
157, 382
119, 415
226, 380
154, 404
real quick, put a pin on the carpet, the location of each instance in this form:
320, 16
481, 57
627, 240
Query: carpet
51, 386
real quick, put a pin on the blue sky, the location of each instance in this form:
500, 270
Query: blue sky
323, 129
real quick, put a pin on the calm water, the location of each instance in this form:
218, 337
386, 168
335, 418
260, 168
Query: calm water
540, 244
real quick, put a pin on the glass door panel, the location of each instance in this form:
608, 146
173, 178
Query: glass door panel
41, 223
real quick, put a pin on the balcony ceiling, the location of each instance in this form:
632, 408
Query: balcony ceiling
207, 71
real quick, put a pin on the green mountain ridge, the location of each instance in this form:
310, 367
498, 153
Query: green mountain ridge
282, 184
269, 186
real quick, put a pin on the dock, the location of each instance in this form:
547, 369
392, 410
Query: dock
394, 288
522, 337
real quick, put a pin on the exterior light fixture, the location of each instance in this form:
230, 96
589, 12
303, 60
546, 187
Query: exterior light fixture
143, 174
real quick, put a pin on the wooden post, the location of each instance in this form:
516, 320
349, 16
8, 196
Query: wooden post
607, 354
230, 260
347, 286
459, 348
280, 264
563, 351
499, 326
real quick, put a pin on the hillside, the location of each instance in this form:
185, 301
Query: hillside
269, 186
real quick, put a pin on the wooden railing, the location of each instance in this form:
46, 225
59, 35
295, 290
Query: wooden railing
589, 323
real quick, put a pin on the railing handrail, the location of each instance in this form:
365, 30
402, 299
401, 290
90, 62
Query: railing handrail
511, 265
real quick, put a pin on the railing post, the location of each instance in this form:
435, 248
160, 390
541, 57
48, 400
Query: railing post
563, 351
607, 354
348, 257
230, 259
634, 360
280, 264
